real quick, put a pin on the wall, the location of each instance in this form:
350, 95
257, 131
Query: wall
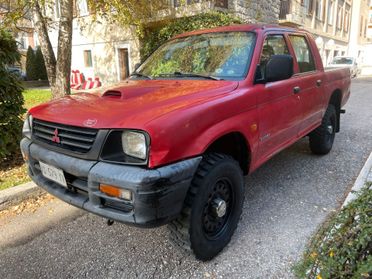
358, 32
102, 39
255, 10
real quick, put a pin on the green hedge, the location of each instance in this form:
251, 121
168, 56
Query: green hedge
40, 65
11, 99
31, 71
342, 248
35, 66
153, 37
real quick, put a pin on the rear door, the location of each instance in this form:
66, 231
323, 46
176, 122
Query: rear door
278, 106
310, 83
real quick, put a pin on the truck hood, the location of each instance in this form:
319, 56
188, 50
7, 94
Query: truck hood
130, 104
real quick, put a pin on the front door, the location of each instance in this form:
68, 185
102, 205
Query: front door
123, 63
278, 105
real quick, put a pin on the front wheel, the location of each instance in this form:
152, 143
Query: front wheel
322, 138
212, 208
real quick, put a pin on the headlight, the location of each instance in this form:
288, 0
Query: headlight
27, 126
134, 144
127, 147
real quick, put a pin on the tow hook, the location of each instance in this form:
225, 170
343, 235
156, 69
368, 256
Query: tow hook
110, 222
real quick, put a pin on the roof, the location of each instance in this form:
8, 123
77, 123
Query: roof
239, 27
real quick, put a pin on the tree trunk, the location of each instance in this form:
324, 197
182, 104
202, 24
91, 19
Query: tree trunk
63, 70
58, 70
45, 45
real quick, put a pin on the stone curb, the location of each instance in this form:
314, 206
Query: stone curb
364, 176
17, 194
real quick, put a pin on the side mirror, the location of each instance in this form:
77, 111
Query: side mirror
279, 67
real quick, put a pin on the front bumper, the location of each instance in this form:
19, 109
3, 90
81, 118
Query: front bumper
158, 194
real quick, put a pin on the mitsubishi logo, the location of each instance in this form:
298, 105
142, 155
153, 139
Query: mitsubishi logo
56, 138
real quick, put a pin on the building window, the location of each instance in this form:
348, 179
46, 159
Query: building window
318, 9
361, 27
330, 12
88, 58
308, 4
339, 17
22, 43
346, 21
365, 29
83, 7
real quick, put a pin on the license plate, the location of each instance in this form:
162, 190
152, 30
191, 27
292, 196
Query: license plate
53, 173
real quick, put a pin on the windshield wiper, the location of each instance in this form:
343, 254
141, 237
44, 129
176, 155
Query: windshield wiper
140, 75
180, 74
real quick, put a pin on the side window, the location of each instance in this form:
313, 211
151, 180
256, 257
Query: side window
303, 53
273, 45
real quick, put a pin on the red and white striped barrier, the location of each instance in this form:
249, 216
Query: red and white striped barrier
77, 79
78, 82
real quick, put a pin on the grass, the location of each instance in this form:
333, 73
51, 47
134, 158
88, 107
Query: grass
14, 171
34, 97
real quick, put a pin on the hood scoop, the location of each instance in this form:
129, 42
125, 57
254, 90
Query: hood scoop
112, 94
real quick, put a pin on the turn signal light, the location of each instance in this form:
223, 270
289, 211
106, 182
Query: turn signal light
115, 192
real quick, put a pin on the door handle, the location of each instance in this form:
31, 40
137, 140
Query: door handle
319, 82
296, 89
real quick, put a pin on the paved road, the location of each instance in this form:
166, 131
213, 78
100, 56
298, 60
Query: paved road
286, 199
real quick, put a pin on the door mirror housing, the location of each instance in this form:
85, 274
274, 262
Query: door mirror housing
279, 67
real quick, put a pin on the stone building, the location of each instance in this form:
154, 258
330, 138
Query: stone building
339, 26
110, 52
358, 31
328, 20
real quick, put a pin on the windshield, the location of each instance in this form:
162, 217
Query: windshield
342, 60
224, 55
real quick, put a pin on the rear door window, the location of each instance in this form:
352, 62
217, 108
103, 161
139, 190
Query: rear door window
305, 59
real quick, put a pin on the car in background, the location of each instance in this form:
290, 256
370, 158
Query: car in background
346, 62
18, 72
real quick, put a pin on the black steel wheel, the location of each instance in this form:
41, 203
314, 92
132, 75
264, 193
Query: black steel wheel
322, 138
217, 208
212, 208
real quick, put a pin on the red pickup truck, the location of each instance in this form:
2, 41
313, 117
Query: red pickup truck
173, 143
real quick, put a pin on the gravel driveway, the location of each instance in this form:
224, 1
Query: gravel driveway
286, 200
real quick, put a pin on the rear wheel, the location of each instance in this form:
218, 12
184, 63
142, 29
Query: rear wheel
322, 138
212, 208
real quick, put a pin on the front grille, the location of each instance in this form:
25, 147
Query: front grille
64, 136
